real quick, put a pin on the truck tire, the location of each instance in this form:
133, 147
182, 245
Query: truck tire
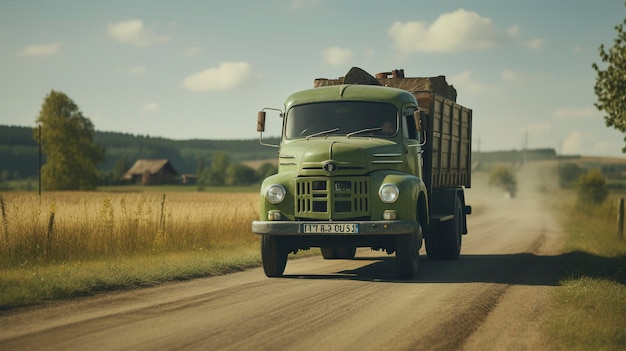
445, 242
407, 253
274, 256
338, 253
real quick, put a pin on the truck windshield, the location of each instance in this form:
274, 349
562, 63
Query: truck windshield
352, 118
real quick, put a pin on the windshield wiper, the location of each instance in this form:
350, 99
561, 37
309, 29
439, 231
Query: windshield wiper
322, 132
363, 131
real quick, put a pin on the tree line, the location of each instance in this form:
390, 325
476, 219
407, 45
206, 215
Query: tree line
75, 156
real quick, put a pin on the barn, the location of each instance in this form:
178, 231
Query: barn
151, 172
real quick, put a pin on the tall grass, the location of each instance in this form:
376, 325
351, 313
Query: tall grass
588, 310
78, 226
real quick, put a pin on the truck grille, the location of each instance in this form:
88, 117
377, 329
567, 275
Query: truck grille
332, 198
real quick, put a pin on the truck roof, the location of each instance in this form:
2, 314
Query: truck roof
351, 92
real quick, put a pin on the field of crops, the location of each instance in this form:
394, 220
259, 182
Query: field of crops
80, 226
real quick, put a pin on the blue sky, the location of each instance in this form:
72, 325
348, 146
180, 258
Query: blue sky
202, 69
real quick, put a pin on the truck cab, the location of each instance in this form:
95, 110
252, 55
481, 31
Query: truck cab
350, 174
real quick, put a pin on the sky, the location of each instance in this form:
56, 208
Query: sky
193, 69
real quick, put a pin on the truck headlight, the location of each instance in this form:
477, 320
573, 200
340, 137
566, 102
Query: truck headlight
275, 194
388, 193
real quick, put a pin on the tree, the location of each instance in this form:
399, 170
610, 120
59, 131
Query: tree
591, 188
610, 87
503, 177
569, 174
121, 166
240, 174
216, 173
67, 142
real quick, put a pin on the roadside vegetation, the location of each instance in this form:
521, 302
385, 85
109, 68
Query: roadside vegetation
504, 178
588, 310
68, 244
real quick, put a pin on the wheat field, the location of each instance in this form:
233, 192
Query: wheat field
80, 226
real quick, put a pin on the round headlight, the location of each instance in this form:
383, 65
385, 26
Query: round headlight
388, 193
275, 194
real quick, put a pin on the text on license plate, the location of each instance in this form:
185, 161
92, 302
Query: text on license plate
330, 228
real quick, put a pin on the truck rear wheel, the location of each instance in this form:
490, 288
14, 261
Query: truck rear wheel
274, 255
407, 253
338, 253
445, 242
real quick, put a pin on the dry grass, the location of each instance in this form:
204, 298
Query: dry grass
72, 226
589, 308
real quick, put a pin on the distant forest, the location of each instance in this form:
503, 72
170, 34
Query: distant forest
19, 152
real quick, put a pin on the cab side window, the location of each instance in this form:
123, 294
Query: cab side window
408, 125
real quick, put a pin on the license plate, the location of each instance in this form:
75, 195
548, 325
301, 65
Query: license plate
329, 228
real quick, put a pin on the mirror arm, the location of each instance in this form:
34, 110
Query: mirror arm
260, 124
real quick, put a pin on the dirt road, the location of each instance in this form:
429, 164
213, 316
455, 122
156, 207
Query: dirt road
489, 299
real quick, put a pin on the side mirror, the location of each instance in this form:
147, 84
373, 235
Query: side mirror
417, 116
420, 125
260, 121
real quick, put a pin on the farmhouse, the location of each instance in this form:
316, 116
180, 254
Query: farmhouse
153, 171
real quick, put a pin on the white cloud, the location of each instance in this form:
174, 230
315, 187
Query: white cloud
336, 56
460, 30
534, 44
466, 83
574, 113
509, 75
44, 50
137, 70
150, 107
133, 32
513, 31
572, 144
227, 76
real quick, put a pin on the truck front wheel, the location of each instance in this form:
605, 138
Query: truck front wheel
445, 243
274, 255
407, 253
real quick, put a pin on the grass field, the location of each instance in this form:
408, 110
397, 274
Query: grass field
72, 226
76, 243
588, 310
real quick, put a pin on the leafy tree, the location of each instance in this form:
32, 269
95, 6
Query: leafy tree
569, 174
67, 141
591, 188
121, 166
503, 177
610, 87
216, 173
240, 174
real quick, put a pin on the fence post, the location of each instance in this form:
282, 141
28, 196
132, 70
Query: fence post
620, 219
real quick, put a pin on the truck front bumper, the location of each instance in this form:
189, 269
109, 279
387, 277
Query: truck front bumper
364, 227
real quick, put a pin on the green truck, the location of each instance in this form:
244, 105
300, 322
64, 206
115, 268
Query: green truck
363, 161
